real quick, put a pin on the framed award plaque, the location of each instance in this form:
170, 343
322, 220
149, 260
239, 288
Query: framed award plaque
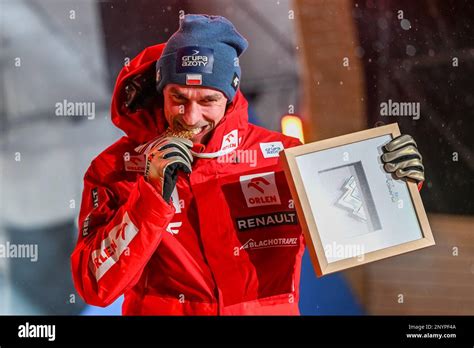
351, 210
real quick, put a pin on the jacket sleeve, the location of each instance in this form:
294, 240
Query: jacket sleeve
116, 241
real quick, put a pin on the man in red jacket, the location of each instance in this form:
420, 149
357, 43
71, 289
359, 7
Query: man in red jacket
185, 223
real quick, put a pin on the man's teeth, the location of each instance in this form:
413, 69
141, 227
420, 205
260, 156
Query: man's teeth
197, 130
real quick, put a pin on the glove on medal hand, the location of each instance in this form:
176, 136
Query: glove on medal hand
403, 159
163, 159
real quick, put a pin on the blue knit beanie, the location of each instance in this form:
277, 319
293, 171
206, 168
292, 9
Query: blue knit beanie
203, 52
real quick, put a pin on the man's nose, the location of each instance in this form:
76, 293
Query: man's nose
192, 114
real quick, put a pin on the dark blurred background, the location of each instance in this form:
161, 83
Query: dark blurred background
429, 58
330, 63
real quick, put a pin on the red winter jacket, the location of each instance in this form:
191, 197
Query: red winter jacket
229, 243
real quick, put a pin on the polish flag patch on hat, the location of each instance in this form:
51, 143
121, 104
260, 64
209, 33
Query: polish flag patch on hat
194, 79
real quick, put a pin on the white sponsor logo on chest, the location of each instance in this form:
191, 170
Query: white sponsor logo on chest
252, 244
173, 227
230, 140
271, 149
177, 203
260, 189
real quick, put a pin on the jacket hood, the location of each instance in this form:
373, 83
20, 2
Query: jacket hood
143, 125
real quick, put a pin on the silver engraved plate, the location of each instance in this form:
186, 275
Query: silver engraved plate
352, 200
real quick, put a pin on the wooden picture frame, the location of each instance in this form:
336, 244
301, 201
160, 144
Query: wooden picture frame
345, 199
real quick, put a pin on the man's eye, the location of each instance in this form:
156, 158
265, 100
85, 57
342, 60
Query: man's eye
178, 97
